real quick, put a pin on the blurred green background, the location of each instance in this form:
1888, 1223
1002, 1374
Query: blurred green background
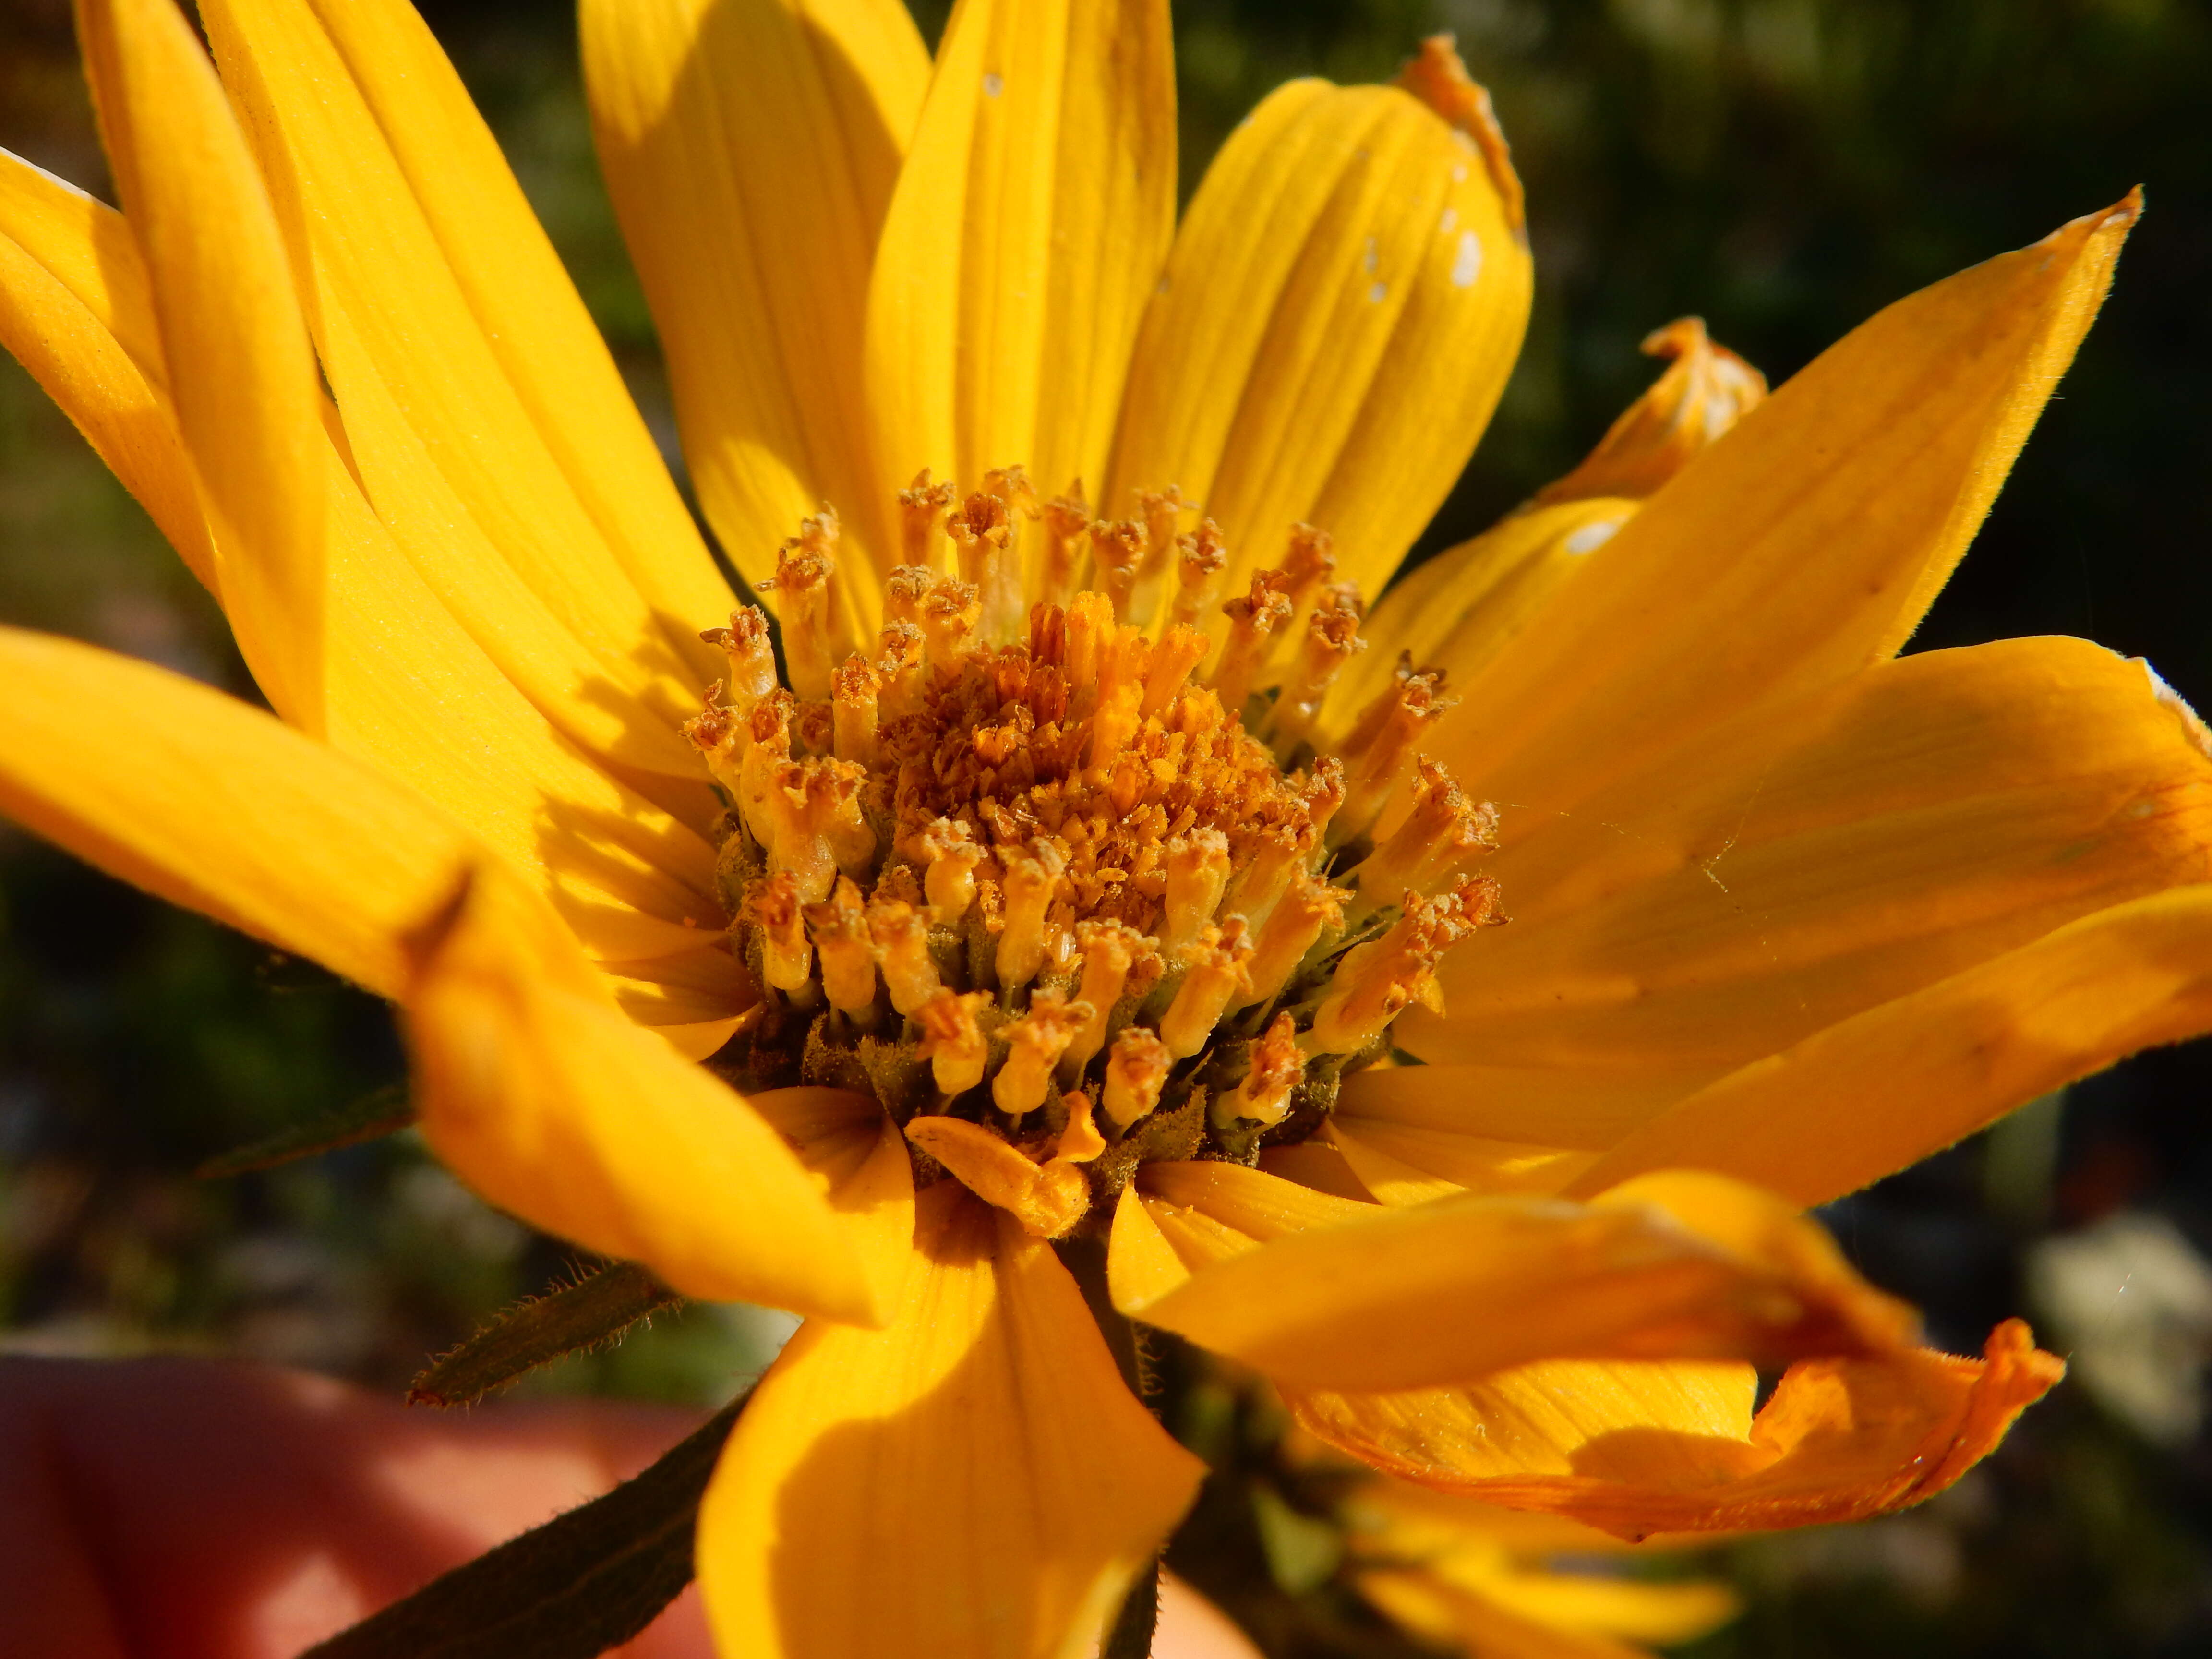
1782, 168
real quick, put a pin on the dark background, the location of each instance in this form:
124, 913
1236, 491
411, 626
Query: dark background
1782, 168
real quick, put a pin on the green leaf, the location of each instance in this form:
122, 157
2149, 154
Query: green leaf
583, 1583
383, 1112
596, 1309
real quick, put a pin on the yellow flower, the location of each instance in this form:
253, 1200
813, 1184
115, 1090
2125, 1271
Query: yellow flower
1108, 919
1473, 1579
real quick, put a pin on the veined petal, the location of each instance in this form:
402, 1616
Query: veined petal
1462, 608
1803, 546
1874, 1093
533, 1087
1342, 307
529, 312
448, 449
1638, 1449
239, 371
1673, 1266
209, 803
1025, 235
87, 247
751, 146
51, 320
974, 1479
856, 1152
1411, 1163
1819, 858
1527, 1614
405, 686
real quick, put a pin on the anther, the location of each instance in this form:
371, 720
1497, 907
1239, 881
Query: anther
1066, 538
1174, 661
787, 957
801, 585
1197, 871
904, 589
1307, 566
1278, 851
853, 689
1215, 969
1198, 574
922, 520
948, 854
950, 611
767, 748
1117, 555
1110, 950
1253, 621
840, 928
1029, 885
1376, 981
1136, 1072
1328, 641
1089, 629
1294, 926
983, 533
1035, 1044
752, 658
1372, 770
900, 937
899, 660
1163, 510
1277, 1067
951, 1040
1445, 830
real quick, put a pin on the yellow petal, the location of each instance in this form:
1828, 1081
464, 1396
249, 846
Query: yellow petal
1025, 235
1640, 1450
1459, 610
209, 803
239, 370
1410, 1163
405, 686
1532, 1615
1338, 317
538, 331
446, 446
409, 691
1875, 1093
1805, 545
751, 148
974, 1479
542, 1096
56, 249
1667, 1266
1847, 848
855, 1152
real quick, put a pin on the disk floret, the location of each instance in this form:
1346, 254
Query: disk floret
1077, 867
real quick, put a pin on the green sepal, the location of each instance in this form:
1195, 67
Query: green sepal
596, 1309
1139, 1620
583, 1583
381, 1112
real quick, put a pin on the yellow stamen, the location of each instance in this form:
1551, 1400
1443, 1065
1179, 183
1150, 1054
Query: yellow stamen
1135, 1073
840, 928
1277, 1068
1029, 887
1376, 981
951, 1040
1110, 950
1216, 968
900, 940
853, 690
922, 521
1294, 926
1253, 621
1034, 1044
1066, 544
787, 957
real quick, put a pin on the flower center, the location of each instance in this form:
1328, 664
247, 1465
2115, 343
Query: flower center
1024, 874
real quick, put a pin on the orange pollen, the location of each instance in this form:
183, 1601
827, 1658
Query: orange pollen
1021, 870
